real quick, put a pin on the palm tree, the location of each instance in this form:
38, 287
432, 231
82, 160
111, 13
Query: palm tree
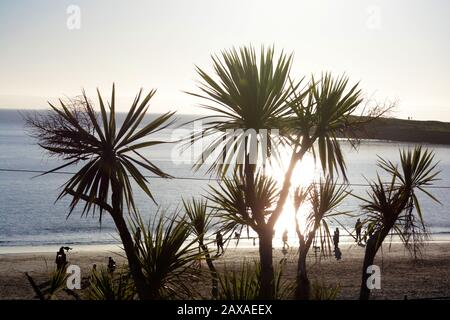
166, 254
394, 208
249, 101
106, 286
323, 199
200, 221
252, 98
111, 156
242, 283
231, 199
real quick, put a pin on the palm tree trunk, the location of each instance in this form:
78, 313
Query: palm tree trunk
369, 257
212, 269
127, 241
303, 288
266, 256
372, 246
284, 193
265, 233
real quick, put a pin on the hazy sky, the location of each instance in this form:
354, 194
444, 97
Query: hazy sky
399, 50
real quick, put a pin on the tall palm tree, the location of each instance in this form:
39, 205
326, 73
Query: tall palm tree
111, 158
394, 208
322, 200
254, 97
200, 222
249, 100
231, 198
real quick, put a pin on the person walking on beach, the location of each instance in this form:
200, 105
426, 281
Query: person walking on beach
336, 239
284, 238
338, 253
358, 227
111, 265
61, 259
219, 241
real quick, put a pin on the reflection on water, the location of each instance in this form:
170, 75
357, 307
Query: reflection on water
28, 214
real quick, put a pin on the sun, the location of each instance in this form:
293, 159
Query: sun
305, 172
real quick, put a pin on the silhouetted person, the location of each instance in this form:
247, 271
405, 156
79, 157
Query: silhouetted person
337, 253
237, 235
61, 259
358, 227
111, 265
219, 241
284, 238
336, 238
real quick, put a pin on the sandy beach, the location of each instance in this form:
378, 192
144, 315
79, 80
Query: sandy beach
427, 278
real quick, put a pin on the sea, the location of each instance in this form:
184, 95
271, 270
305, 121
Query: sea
31, 216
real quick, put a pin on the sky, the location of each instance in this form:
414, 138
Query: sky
398, 50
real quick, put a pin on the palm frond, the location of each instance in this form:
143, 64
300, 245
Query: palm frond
322, 114
75, 132
107, 286
247, 93
394, 208
232, 201
166, 254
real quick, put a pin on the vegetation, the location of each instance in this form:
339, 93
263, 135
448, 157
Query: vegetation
323, 198
253, 97
394, 207
167, 255
76, 133
52, 288
104, 285
200, 222
322, 291
259, 114
243, 283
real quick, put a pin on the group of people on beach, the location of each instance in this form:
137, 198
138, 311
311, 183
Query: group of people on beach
284, 239
61, 256
61, 260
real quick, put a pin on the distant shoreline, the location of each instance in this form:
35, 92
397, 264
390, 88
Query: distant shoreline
410, 131
383, 129
115, 247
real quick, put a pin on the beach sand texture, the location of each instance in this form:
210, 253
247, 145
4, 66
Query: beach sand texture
400, 275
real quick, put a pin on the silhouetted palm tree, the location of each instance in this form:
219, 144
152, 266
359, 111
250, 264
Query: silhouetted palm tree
110, 156
321, 201
166, 253
253, 97
393, 208
103, 285
200, 221
249, 100
243, 283
231, 199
